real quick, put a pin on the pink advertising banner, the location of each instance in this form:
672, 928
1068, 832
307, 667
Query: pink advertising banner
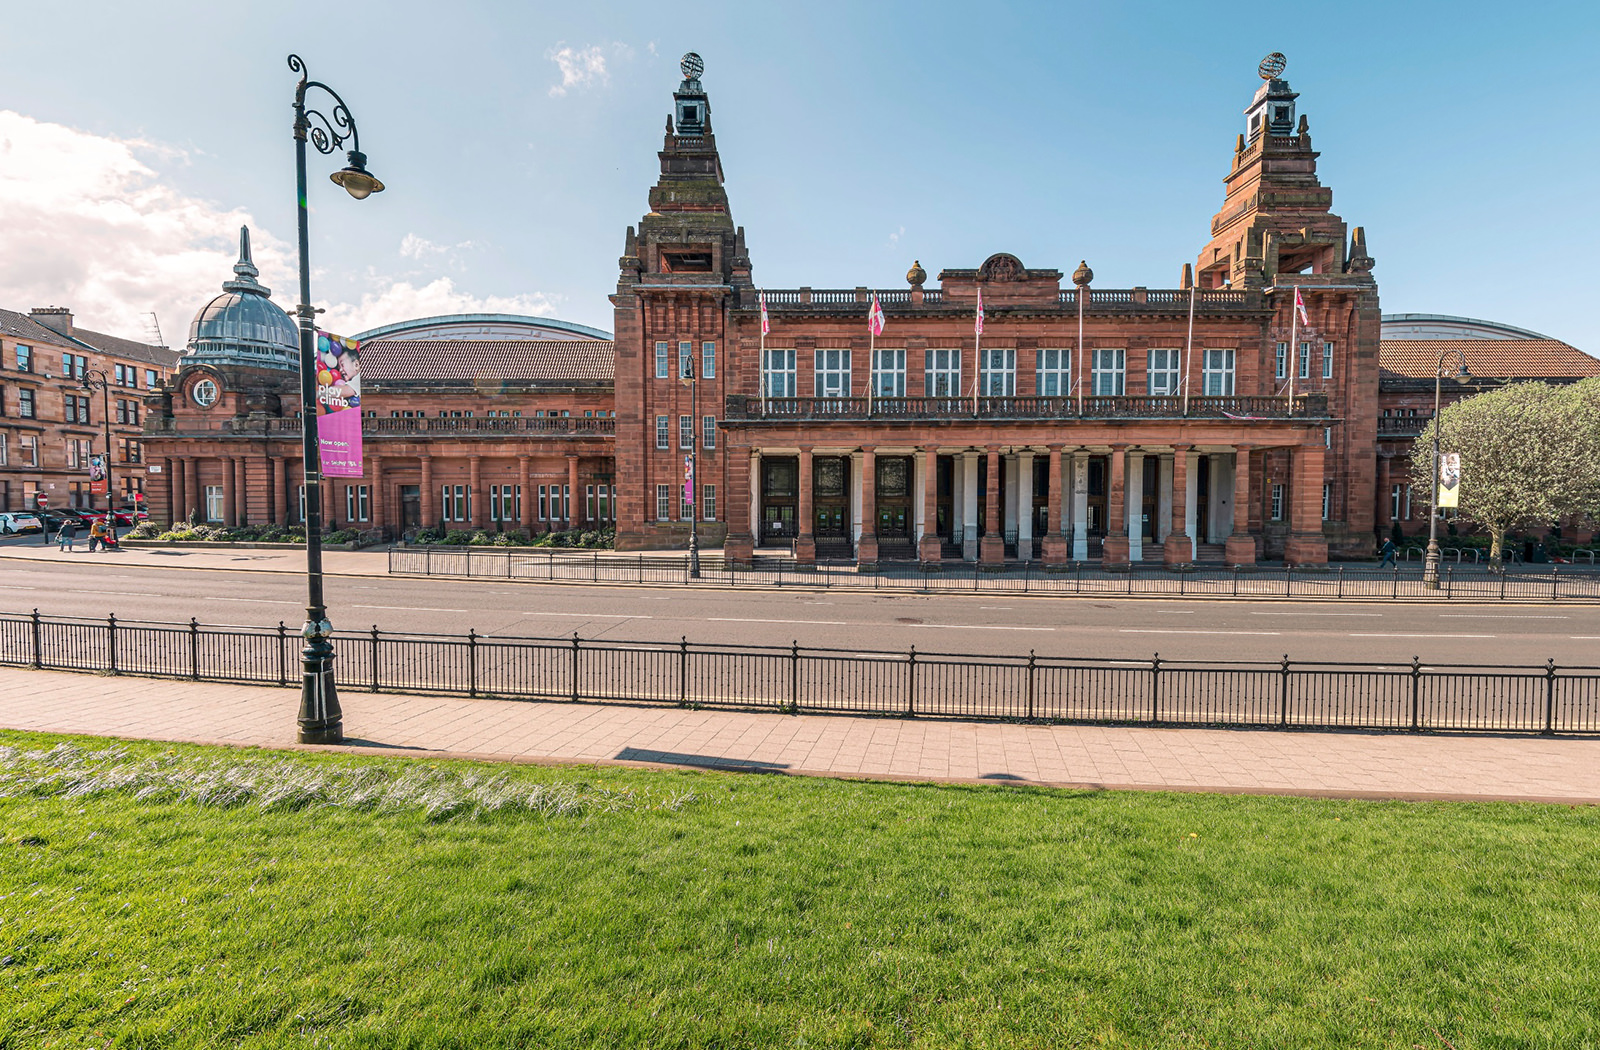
338, 405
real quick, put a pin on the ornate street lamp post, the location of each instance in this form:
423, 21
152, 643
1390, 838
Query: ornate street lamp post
95, 379
321, 720
1430, 563
694, 467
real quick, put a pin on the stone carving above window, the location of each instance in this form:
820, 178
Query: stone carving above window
1002, 267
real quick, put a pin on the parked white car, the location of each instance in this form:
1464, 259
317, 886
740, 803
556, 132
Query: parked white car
19, 522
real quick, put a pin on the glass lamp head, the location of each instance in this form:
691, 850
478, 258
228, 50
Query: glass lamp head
356, 179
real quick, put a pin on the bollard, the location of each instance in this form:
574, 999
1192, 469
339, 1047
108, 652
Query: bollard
111, 640
374, 687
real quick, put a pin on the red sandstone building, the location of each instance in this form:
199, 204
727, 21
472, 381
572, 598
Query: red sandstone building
1201, 423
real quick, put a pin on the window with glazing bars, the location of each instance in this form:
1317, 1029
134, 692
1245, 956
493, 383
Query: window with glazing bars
1165, 364
889, 372
778, 373
941, 372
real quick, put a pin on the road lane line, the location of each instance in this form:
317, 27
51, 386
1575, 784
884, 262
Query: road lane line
1312, 614
411, 608
1387, 635
593, 616
964, 627
755, 619
1584, 637
264, 601
1496, 616
1161, 630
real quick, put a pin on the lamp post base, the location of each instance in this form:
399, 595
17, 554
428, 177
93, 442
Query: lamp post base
1430, 566
321, 720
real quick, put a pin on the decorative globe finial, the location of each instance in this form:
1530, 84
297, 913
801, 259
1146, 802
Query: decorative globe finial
916, 275
692, 66
1272, 66
1082, 275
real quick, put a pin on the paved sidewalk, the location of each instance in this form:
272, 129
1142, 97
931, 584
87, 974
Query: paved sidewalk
373, 562
1240, 761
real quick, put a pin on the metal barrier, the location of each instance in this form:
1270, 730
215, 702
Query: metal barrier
796, 678
1332, 582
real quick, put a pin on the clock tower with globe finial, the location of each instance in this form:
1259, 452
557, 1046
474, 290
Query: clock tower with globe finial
681, 271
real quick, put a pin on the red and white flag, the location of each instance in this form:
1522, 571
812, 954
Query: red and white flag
1300, 308
977, 324
766, 322
875, 317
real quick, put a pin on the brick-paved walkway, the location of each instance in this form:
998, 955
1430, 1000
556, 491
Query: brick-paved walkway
1256, 762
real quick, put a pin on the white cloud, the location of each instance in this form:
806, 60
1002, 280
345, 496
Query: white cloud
89, 225
580, 68
894, 238
397, 300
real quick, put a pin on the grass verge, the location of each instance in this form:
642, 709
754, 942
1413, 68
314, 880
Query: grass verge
198, 897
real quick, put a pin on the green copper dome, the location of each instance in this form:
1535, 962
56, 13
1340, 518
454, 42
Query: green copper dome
242, 326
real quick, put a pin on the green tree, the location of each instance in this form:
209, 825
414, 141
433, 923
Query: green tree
1528, 455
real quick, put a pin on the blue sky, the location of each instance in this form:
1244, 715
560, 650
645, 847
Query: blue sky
855, 138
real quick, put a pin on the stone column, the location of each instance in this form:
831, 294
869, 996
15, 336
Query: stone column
969, 506
1025, 505
475, 492
525, 508
1241, 546
1054, 548
867, 548
195, 498
329, 517
1114, 554
280, 491
1306, 544
575, 509
430, 507
230, 515
1080, 504
241, 488
739, 547
1191, 508
928, 547
380, 496
805, 544
1178, 550
1136, 506
175, 506
992, 546
1164, 498
1384, 518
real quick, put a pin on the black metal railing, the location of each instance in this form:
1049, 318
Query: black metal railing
1472, 583
795, 678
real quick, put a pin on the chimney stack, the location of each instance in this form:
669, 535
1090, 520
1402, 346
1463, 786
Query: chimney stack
56, 318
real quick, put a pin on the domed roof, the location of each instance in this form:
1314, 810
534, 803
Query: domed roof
242, 326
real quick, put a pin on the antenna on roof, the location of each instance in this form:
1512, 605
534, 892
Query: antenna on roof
152, 330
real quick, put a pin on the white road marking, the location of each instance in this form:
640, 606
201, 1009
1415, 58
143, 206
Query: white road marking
1312, 614
408, 608
593, 616
264, 601
994, 608
128, 594
969, 627
1158, 630
1496, 616
753, 619
1419, 636
1584, 637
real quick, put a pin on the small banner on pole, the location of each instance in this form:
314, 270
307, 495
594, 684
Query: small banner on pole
97, 475
688, 480
338, 405
1450, 479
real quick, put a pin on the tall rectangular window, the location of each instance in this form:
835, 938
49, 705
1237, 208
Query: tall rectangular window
543, 505
686, 509
28, 450
605, 503
121, 374
566, 503
708, 502
213, 502
686, 432
1282, 361
833, 373
661, 359
999, 371
662, 433
778, 373
1277, 502
1218, 376
151, 378
1305, 360
1053, 372
302, 505
27, 407
663, 502
708, 360
685, 360
4, 455
1394, 502
1109, 370
1407, 505
1164, 367
1327, 500
889, 372
1327, 360
24, 358
941, 373
357, 500
588, 503
708, 428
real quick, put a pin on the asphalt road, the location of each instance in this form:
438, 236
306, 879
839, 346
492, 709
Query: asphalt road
1440, 633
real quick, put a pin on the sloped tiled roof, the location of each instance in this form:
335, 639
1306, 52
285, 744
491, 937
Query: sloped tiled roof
21, 326
1489, 358
558, 360
117, 346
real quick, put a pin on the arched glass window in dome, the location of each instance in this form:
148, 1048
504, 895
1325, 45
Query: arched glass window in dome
242, 325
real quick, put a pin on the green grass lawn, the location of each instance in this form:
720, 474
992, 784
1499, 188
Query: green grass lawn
186, 896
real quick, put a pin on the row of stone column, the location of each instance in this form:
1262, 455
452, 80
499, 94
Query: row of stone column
1059, 544
186, 496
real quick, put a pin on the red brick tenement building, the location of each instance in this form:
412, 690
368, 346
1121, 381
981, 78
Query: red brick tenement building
1082, 423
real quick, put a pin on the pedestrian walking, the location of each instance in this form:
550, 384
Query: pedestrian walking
97, 535
1388, 553
67, 533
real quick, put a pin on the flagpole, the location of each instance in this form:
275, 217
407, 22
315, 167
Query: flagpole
872, 361
1188, 351
1292, 359
1077, 375
763, 370
977, 358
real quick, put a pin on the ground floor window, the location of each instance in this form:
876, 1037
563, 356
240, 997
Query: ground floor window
708, 499
505, 503
457, 502
1277, 503
597, 502
663, 502
213, 502
1327, 500
357, 502
1400, 502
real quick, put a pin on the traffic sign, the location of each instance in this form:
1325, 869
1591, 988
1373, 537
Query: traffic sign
41, 500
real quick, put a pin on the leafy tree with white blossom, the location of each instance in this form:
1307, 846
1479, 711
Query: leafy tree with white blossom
1530, 455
